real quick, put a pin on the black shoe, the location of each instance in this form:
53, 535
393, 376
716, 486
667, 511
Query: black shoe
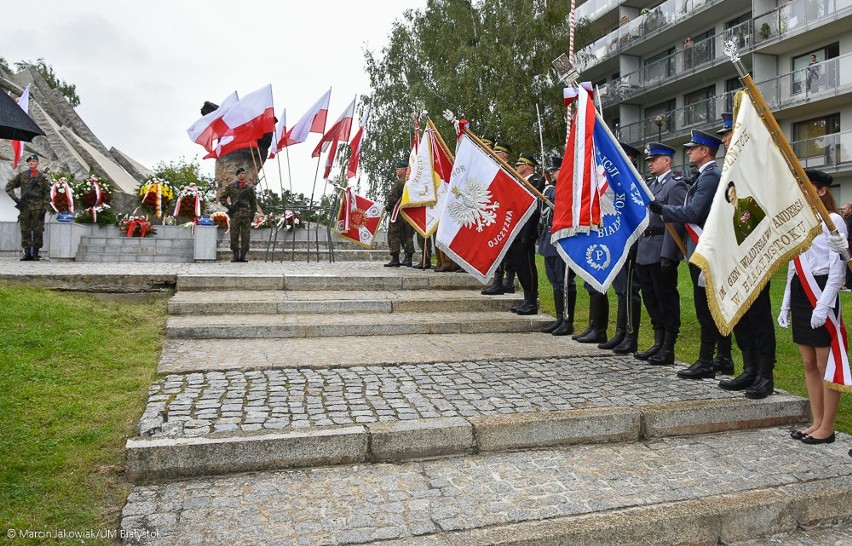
614, 342
702, 369
584, 333
438, 269
236, 257
740, 382
723, 365
552, 326
508, 289
797, 434
595, 336
527, 308
36, 257
243, 257
761, 388
394, 262
493, 290
406, 262
659, 335
810, 440
28, 257
565, 329
663, 357
627, 346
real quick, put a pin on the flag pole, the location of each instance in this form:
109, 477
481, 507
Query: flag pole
508, 167
781, 141
440, 139
289, 174
541, 143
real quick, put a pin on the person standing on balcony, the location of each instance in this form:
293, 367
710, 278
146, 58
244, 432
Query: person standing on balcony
812, 74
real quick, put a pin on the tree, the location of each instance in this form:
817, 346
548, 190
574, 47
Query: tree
485, 60
68, 90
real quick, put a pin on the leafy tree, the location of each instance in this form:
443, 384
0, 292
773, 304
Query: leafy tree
485, 60
68, 90
4, 65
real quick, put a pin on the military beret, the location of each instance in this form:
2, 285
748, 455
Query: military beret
402, 164
527, 159
240, 170
819, 178
700, 138
32, 156
502, 147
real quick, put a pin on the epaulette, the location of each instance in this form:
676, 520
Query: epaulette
677, 177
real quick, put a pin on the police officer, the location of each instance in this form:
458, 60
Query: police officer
504, 275
399, 232
701, 149
657, 254
242, 203
34, 190
522, 251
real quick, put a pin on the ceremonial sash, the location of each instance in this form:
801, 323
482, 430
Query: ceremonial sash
837, 372
694, 231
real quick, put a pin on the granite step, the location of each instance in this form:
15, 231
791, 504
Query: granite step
354, 324
702, 489
358, 278
303, 255
322, 301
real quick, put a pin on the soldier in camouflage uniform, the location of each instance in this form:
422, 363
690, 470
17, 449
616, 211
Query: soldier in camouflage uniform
399, 232
33, 202
242, 202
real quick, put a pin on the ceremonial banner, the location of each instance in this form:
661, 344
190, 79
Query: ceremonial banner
485, 208
759, 221
425, 219
597, 253
421, 185
358, 218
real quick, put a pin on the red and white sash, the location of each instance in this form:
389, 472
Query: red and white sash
694, 231
837, 368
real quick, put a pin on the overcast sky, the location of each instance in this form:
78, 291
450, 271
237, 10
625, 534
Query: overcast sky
144, 68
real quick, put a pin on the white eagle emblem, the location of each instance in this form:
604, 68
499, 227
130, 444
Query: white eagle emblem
473, 206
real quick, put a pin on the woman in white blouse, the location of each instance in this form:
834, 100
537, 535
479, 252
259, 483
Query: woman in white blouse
809, 331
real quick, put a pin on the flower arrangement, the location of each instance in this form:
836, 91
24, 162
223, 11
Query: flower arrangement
61, 194
221, 219
92, 192
286, 220
190, 202
155, 195
101, 215
136, 226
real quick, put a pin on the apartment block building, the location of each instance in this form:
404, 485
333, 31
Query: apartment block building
661, 71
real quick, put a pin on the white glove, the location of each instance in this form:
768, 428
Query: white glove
818, 317
702, 280
784, 318
837, 242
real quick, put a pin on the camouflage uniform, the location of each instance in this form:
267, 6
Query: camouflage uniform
399, 233
242, 217
35, 190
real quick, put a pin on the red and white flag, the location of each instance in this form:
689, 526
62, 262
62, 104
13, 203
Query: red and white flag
339, 131
252, 117
17, 145
424, 219
280, 129
312, 122
485, 208
355, 145
211, 127
578, 188
358, 218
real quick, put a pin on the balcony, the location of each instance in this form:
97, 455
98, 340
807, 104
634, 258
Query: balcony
795, 17
663, 16
700, 115
828, 152
593, 9
678, 65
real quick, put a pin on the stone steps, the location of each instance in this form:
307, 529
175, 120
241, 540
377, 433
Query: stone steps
378, 278
325, 301
303, 255
703, 489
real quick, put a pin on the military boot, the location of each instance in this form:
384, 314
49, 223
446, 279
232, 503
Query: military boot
745, 379
666, 355
496, 286
407, 261
28, 255
763, 385
620, 327
567, 326
236, 257
394, 262
243, 258
630, 343
723, 363
559, 303
597, 334
35, 255
702, 368
659, 336
509, 285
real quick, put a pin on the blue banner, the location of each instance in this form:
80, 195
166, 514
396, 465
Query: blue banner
598, 256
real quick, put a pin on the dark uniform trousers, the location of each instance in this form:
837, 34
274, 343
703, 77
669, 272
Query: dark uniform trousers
626, 281
662, 300
755, 331
241, 230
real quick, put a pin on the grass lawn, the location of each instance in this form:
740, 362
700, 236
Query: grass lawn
75, 377
789, 375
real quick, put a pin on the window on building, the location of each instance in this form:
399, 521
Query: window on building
704, 49
816, 142
739, 30
659, 67
699, 106
651, 130
815, 71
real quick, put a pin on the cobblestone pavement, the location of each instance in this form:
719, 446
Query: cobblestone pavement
356, 504
200, 403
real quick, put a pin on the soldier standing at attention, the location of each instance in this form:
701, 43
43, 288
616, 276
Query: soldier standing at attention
399, 232
522, 252
242, 202
33, 202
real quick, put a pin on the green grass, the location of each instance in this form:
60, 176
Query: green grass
74, 379
789, 374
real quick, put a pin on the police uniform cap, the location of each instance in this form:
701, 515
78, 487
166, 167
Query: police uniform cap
402, 164
702, 138
489, 140
502, 147
240, 170
727, 123
32, 157
819, 178
656, 149
628, 149
555, 163
527, 159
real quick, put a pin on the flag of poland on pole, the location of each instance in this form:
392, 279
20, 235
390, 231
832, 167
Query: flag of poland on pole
17, 145
211, 127
339, 131
252, 117
280, 129
484, 210
355, 145
312, 122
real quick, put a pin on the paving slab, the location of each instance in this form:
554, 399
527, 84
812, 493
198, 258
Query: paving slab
698, 489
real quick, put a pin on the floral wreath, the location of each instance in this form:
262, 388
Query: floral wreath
156, 194
93, 192
189, 202
221, 219
61, 196
133, 225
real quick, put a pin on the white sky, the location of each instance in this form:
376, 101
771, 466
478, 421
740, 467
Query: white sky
144, 68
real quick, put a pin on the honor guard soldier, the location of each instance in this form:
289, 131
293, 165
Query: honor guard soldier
702, 150
34, 199
399, 232
522, 251
242, 203
657, 254
504, 276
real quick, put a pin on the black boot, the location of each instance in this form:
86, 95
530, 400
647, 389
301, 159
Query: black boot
509, 285
620, 327
28, 255
630, 344
559, 303
593, 310
236, 257
243, 256
567, 326
394, 262
703, 368
723, 363
496, 286
745, 379
666, 355
659, 335
35, 255
597, 334
763, 385
407, 261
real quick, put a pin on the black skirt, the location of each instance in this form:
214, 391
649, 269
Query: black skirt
801, 311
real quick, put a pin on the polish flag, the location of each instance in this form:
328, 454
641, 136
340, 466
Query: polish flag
485, 208
355, 145
211, 126
252, 117
17, 145
312, 122
280, 129
339, 131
